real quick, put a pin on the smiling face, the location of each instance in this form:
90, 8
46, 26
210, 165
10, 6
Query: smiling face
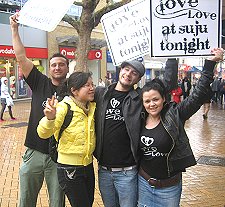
153, 102
128, 76
85, 93
58, 69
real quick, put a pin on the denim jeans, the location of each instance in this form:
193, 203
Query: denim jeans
158, 197
78, 183
118, 189
36, 167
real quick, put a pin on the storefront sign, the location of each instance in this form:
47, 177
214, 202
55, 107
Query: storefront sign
108, 57
8, 51
184, 28
95, 55
42, 14
127, 31
69, 52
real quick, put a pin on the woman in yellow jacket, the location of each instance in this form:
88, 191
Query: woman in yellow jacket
77, 143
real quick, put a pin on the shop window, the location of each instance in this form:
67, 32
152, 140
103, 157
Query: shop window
7, 70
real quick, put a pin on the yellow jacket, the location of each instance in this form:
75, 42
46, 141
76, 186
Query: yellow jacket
77, 142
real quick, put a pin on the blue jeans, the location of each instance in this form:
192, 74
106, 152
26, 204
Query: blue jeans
36, 167
158, 197
78, 183
118, 189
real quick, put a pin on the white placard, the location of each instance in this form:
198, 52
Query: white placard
44, 14
127, 31
184, 28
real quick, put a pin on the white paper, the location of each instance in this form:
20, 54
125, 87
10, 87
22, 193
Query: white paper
44, 14
185, 28
127, 31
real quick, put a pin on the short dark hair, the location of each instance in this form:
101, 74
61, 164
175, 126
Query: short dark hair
60, 55
155, 84
77, 80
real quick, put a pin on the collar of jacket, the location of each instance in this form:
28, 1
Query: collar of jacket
133, 93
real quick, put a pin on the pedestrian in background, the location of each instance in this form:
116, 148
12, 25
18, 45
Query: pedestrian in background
164, 145
118, 124
215, 88
77, 143
6, 99
37, 165
186, 87
176, 94
222, 91
206, 107
101, 82
107, 81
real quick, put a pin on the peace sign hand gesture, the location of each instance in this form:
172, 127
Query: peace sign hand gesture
50, 109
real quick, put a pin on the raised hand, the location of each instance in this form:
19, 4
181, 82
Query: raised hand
14, 20
50, 109
217, 54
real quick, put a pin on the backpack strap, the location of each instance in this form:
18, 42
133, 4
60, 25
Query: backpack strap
67, 120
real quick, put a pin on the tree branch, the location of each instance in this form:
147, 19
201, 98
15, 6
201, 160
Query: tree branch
78, 3
73, 22
109, 7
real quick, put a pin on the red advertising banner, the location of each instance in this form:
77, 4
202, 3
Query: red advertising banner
69, 52
8, 51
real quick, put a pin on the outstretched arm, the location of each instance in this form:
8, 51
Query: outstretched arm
25, 64
170, 76
202, 91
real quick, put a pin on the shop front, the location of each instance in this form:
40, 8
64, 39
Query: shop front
9, 68
112, 72
94, 58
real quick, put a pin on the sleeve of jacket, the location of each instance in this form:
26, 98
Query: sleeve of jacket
170, 76
46, 128
200, 94
98, 93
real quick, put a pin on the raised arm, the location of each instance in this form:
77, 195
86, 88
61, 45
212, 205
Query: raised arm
170, 76
202, 92
25, 64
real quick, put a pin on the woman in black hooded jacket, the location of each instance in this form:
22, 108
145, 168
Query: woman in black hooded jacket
164, 145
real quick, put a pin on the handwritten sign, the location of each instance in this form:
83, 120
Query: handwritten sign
127, 31
184, 28
44, 14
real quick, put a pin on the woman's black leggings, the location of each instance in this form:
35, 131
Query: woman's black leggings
3, 109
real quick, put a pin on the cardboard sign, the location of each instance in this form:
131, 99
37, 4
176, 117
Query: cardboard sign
184, 28
127, 31
44, 14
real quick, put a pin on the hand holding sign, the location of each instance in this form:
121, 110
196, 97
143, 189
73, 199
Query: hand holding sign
44, 15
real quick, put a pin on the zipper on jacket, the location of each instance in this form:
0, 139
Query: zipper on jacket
128, 132
167, 157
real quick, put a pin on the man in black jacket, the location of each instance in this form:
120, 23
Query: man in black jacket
118, 124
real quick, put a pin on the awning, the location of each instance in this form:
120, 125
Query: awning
195, 69
95, 43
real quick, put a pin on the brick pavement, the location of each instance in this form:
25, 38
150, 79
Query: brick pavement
203, 185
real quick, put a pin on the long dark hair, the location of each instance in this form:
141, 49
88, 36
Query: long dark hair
76, 80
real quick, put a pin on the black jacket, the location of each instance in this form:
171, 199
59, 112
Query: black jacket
132, 110
173, 117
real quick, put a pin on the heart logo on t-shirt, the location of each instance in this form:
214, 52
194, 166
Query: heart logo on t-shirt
114, 103
147, 140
